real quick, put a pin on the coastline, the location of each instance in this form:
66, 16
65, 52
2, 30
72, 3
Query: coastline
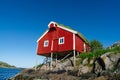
12, 68
12, 78
65, 70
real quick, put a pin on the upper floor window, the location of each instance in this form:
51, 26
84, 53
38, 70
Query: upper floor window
61, 40
46, 43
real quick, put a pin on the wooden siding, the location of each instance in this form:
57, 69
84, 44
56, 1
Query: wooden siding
53, 35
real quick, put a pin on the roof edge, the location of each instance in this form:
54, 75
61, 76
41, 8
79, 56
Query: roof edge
42, 35
64, 28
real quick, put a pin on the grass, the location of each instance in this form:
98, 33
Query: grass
91, 55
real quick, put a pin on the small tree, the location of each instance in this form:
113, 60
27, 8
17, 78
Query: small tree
95, 45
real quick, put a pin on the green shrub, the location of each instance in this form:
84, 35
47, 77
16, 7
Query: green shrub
97, 53
116, 49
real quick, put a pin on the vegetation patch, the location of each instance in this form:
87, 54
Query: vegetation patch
97, 53
5, 65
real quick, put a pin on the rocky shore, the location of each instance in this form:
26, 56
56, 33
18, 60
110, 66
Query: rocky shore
105, 67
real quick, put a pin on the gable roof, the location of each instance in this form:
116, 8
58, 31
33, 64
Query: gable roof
67, 28
76, 32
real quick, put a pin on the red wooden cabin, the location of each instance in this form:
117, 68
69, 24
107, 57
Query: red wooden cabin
61, 40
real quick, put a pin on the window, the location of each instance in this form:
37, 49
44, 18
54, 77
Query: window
61, 40
46, 42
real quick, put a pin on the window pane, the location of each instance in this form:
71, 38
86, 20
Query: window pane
46, 43
61, 40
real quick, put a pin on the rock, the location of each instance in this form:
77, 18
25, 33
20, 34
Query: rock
83, 69
116, 44
69, 68
45, 67
110, 59
65, 70
107, 61
118, 63
114, 57
101, 78
58, 67
98, 66
88, 76
85, 61
67, 65
29, 70
91, 61
69, 62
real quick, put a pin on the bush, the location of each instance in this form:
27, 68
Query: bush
95, 45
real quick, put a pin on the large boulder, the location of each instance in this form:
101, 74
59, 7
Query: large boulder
108, 62
68, 62
110, 59
83, 69
105, 62
59, 66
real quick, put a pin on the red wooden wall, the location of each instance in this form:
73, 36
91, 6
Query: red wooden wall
53, 35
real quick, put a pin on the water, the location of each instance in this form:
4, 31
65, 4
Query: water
6, 73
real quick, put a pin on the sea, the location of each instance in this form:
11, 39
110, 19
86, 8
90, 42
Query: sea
6, 73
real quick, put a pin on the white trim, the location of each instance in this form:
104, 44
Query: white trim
50, 23
60, 40
84, 45
64, 28
52, 46
42, 35
73, 31
73, 41
46, 41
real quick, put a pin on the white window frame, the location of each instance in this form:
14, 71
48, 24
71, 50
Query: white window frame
60, 40
46, 41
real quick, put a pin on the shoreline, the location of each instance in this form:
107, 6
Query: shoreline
13, 68
65, 71
14, 76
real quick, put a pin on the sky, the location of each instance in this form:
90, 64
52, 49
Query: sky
22, 22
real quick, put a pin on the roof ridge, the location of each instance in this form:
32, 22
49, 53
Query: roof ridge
80, 34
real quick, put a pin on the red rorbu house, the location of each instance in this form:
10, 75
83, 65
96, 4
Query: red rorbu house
60, 41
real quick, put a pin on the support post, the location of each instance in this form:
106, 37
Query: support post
51, 60
56, 58
46, 60
74, 58
36, 62
74, 49
77, 53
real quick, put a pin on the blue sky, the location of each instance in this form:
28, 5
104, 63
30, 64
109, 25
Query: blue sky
23, 21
